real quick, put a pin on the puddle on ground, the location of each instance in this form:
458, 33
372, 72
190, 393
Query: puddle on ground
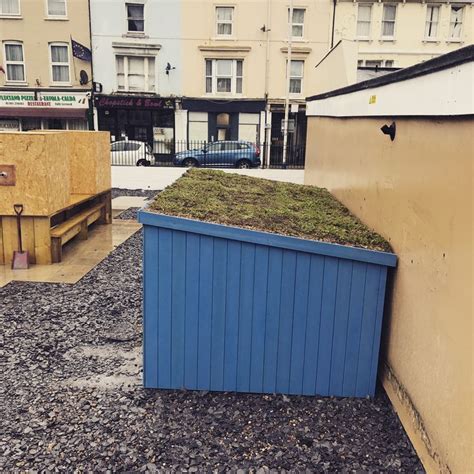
127, 375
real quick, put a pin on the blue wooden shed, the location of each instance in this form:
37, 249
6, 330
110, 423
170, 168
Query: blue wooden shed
231, 309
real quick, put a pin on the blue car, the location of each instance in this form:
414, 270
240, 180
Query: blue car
237, 154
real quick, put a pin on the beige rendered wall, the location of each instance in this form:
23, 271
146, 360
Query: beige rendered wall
338, 69
418, 192
36, 31
409, 46
199, 31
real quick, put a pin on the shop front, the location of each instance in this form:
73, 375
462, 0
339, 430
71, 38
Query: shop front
145, 119
44, 110
214, 120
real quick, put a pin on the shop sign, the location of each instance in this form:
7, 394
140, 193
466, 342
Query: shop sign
8, 125
127, 102
44, 99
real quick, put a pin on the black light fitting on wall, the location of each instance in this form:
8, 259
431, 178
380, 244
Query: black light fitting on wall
390, 130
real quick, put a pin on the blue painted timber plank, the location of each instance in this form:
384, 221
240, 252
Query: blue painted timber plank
316, 277
328, 308
178, 283
191, 297
232, 315
259, 313
303, 262
286, 321
378, 329
205, 312
372, 282
247, 282
218, 314
272, 319
265, 238
150, 306
164, 302
341, 317
354, 328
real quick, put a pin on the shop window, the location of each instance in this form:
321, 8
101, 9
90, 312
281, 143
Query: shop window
59, 54
296, 77
364, 16
15, 62
54, 124
297, 22
135, 18
56, 8
224, 76
9, 7
224, 20
135, 73
432, 18
456, 22
30, 124
388, 21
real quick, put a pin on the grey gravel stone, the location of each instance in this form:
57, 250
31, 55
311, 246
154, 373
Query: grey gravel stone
72, 399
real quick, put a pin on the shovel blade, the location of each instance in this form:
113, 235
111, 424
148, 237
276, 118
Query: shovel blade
21, 260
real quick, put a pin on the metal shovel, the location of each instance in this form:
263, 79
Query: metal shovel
21, 260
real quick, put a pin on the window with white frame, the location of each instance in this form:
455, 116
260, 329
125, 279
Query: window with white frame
15, 62
296, 77
432, 19
224, 76
135, 17
135, 73
224, 21
297, 22
388, 21
364, 17
456, 22
59, 54
9, 7
56, 8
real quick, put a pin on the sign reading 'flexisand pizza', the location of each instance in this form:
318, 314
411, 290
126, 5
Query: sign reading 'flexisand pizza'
44, 99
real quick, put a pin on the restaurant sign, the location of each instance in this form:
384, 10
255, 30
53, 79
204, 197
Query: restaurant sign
44, 99
129, 102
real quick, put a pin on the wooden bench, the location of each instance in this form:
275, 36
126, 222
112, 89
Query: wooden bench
76, 225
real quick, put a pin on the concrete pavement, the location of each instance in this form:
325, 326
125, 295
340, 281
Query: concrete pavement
138, 177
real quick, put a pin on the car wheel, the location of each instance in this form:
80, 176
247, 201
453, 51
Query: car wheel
190, 162
143, 162
243, 164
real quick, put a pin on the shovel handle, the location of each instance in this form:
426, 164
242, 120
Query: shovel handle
18, 209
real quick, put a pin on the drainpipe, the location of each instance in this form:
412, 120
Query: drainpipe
333, 22
288, 71
91, 116
268, 135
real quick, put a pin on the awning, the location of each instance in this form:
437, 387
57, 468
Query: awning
39, 112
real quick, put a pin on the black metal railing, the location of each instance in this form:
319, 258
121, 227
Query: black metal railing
220, 154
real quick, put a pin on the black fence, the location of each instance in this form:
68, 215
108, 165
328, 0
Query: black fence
220, 154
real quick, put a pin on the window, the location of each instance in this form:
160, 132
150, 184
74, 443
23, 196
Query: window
432, 18
224, 16
388, 21
456, 22
15, 62
135, 73
224, 76
297, 22
9, 7
364, 16
296, 77
60, 63
135, 18
56, 7
389, 63
374, 63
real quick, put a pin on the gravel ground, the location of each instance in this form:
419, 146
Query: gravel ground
128, 214
149, 193
70, 368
